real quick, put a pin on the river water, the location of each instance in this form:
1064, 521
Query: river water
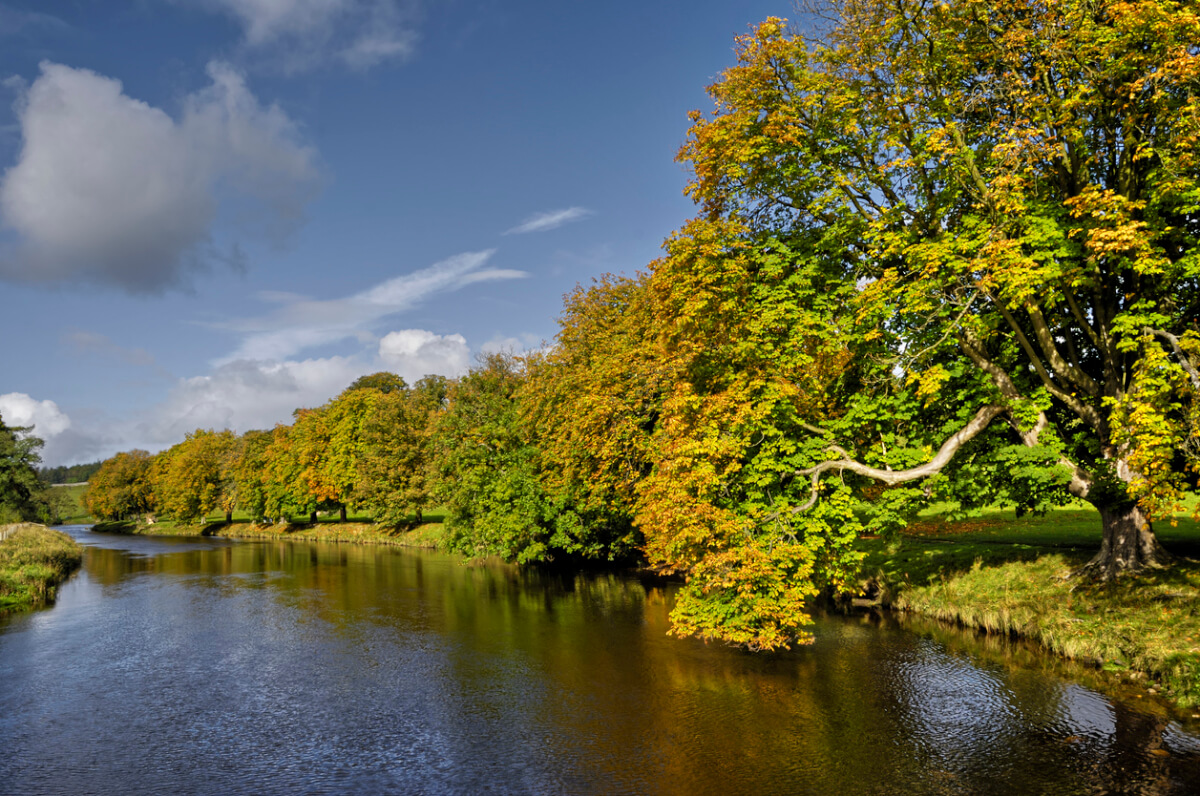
215, 667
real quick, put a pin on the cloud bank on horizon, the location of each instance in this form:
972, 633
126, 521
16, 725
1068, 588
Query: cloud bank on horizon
111, 191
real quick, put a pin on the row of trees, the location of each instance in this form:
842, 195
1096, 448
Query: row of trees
944, 252
364, 450
67, 473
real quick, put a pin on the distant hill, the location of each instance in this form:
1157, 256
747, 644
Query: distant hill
67, 474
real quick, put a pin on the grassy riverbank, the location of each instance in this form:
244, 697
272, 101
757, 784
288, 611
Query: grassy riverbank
328, 529
1007, 575
34, 560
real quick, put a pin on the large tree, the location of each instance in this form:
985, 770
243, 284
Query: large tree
485, 469
21, 494
1012, 187
197, 476
394, 468
123, 487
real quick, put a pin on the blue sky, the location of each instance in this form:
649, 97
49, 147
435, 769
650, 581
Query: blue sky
215, 211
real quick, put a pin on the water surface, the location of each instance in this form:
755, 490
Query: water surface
215, 667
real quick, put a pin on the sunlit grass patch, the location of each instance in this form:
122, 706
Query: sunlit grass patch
33, 562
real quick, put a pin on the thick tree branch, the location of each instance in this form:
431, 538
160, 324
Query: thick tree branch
1084, 323
1184, 359
1081, 480
1086, 413
1062, 368
890, 477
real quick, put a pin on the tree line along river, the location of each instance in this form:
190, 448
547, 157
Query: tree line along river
211, 666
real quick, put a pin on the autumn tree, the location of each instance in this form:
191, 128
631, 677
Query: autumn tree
397, 437
255, 488
197, 476
745, 323
592, 402
344, 421
381, 381
1011, 187
122, 488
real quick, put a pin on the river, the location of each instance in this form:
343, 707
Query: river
209, 666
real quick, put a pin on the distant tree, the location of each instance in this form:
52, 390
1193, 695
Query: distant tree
485, 470
394, 470
292, 476
252, 473
382, 381
123, 487
344, 445
21, 494
68, 473
196, 477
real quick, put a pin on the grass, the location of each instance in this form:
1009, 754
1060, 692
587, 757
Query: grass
359, 530
70, 505
34, 560
1007, 575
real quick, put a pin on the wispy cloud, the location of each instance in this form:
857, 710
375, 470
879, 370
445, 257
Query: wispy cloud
303, 34
301, 323
542, 222
15, 22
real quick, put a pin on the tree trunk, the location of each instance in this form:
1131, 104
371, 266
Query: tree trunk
342, 514
228, 517
418, 516
1129, 544
312, 518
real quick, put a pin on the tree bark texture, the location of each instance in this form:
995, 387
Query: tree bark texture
1129, 544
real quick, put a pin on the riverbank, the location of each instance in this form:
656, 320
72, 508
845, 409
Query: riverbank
426, 535
1011, 576
34, 561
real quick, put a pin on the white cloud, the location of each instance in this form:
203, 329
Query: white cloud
302, 34
110, 190
542, 222
300, 323
19, 409
415, 353
244, 395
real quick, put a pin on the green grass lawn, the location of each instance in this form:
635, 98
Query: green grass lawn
71, 508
